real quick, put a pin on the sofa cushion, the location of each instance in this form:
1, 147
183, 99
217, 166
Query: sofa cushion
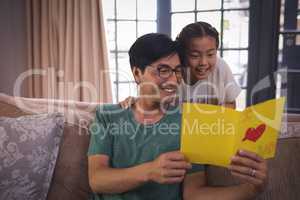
70, 179
29, 147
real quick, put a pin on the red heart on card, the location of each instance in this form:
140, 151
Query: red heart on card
253, 134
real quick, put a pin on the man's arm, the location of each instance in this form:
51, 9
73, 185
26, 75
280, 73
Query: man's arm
168, 168
104, 179
195, 188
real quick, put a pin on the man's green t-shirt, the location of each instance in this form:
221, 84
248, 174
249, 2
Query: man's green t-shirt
128, 143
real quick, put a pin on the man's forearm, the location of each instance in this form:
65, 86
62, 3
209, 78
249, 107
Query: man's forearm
237, 192
114, 181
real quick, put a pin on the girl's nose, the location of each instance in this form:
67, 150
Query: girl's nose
203, 61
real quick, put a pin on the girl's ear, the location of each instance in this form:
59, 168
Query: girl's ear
137, 73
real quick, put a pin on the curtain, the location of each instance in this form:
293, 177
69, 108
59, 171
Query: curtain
67, 50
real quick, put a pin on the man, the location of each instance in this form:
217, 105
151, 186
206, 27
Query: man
133, 152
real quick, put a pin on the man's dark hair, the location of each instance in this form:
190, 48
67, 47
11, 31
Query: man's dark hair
150, 48
194, 30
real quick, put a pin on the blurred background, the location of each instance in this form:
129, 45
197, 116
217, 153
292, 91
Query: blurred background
259, 39
277, 23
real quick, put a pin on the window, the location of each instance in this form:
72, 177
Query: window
130, 19
288, 54
126, 20
231, 19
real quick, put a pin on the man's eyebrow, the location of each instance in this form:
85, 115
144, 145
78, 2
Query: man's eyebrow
164, 65
196, 51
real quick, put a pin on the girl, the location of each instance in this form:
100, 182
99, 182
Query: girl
207, 77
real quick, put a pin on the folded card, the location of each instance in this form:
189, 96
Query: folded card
213, 134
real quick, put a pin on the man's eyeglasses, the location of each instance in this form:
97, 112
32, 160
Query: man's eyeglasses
165, 71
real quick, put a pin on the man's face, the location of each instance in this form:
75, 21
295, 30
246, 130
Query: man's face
158, 82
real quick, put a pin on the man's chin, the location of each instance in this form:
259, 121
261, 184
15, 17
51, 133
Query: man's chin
166, 99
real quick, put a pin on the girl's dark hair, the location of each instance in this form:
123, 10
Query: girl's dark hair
193, 30
150, 48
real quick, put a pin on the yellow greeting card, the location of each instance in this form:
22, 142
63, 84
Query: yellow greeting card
212, 134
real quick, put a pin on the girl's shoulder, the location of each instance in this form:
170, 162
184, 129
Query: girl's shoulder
221, 63
222, 67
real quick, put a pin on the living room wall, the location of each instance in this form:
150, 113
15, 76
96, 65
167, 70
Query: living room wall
12, 43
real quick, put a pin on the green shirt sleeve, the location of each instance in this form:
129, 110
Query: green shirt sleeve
100, 140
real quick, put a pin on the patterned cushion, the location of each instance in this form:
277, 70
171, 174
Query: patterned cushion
29, 147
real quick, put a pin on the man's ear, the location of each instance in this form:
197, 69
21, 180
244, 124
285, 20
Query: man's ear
137, 74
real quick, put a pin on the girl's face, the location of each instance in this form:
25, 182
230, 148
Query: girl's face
201, 58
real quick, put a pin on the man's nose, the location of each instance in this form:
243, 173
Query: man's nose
173, 78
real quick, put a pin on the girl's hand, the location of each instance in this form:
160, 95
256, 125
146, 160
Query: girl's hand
129, 101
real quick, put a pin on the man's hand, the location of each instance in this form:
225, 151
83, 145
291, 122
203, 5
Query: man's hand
169, 168
251, 169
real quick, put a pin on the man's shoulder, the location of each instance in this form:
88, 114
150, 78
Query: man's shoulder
110, 110
108, 107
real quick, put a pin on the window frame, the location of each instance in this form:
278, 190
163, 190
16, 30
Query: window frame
221, 49
163, 22
116, 82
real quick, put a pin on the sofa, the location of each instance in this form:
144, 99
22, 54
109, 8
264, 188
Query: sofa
70, 176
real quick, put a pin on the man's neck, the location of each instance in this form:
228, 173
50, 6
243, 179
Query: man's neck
147, 111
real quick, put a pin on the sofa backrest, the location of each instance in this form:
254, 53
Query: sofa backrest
70, 179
